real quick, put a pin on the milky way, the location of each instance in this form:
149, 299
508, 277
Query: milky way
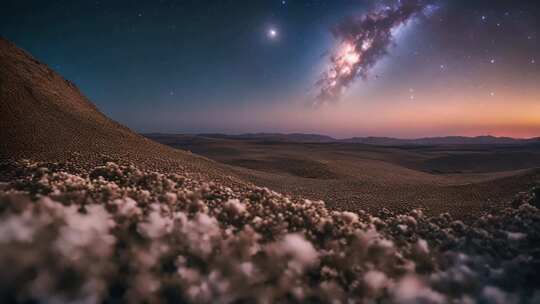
362, 43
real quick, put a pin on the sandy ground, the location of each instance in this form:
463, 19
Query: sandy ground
45, 117
462, 180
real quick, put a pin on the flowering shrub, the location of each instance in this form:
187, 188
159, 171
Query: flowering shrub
118, 233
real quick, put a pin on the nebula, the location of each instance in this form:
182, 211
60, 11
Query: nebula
362, 43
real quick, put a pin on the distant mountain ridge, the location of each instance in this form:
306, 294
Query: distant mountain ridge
289, 137
447, 140
382, 141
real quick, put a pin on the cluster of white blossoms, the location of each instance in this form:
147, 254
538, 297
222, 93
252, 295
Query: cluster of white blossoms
120, 234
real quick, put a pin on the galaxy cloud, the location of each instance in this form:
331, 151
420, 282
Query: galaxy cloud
363, 42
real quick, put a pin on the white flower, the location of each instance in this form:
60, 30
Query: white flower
155, 226
85, 232
127, 207
302, 252
376, 280
235, 206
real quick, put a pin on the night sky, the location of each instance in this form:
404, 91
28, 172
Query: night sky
406, 68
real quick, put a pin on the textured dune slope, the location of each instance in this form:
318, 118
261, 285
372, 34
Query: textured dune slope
45, 117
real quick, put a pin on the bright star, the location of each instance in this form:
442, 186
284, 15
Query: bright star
272, 33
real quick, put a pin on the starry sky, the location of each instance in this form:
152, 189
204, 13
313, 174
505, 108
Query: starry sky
401, 68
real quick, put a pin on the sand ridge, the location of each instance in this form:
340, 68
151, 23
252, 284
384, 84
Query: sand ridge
45, 117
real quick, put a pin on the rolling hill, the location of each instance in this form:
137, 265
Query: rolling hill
462, 179
44, 117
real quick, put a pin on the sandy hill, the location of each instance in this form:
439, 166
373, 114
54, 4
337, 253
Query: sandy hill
45, 117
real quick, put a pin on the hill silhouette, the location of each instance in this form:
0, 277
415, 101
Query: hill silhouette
45, 117
376, 141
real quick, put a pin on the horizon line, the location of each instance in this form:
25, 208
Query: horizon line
339, 138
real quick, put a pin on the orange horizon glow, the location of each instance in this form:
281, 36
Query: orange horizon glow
372, 110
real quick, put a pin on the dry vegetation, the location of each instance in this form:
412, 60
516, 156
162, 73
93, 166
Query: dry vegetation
118, 233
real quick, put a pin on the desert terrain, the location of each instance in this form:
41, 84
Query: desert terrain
463, 179
91, 212
48, 119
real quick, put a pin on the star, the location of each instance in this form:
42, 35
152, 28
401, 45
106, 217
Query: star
492, 61
272, 33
